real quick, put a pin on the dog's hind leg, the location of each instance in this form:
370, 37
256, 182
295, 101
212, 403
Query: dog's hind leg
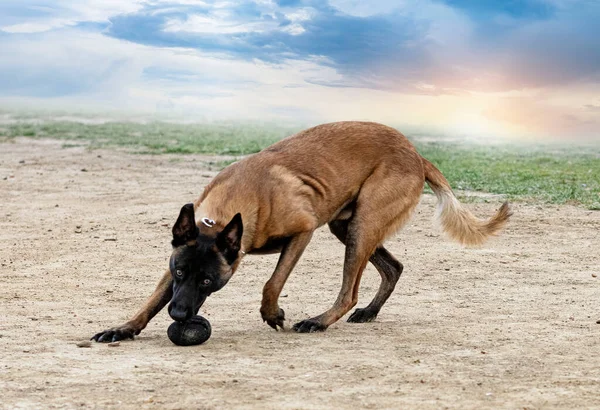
383, 205
390, 270
388, 267
359, 247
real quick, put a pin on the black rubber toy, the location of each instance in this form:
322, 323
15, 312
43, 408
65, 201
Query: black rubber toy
193, 332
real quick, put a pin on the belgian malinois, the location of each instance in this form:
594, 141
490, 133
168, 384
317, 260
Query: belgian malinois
362, 179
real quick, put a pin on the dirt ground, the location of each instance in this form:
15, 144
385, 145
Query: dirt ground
84, 236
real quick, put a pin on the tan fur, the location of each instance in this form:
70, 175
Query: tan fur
362, 179
457, 221
365, 174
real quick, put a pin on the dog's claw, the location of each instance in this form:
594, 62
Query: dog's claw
115, 334
275, 325
363, 315
276, 322
309, 326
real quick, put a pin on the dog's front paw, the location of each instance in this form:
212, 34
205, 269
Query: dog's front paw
274, 320
309, 326
114, 334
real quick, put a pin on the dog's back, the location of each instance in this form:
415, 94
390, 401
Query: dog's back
319, 171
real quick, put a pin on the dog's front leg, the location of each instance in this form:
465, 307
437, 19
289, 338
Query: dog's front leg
161, 296
290, 254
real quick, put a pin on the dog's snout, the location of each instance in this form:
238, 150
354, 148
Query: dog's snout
179, 313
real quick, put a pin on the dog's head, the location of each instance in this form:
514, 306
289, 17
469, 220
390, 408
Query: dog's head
201, 263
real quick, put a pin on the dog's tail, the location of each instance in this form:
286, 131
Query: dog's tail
457, 221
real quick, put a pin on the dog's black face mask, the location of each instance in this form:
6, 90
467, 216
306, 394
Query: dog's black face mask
200, 264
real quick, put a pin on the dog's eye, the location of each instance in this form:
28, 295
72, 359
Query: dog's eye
206, 282
179, 273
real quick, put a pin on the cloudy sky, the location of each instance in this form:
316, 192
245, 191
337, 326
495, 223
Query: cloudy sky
516, 68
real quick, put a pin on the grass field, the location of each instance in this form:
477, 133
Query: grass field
552, 173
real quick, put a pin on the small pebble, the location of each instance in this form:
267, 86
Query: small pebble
594, 275
598, 321
114, 344
85, 343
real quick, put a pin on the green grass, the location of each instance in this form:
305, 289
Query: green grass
551, 174
159, 137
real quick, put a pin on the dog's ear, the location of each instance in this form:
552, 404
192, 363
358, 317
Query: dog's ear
229, 240
185, 228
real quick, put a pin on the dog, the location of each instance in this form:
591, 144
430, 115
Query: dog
362, 179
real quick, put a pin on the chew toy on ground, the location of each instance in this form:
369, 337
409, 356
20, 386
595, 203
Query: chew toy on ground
192, 332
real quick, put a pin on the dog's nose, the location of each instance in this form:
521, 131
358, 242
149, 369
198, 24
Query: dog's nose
178, 313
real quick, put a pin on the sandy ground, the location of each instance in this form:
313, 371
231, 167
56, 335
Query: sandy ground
84, 236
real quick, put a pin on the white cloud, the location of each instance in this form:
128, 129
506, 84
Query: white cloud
216, 24
220, 20
60, 65
36, 27
101, 10
67, 13
299, 15
105, 72
361, 8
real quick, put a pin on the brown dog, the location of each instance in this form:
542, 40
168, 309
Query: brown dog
362, 179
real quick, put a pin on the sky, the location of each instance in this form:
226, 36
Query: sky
519, 69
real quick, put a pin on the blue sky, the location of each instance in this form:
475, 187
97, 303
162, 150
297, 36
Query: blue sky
528, 67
